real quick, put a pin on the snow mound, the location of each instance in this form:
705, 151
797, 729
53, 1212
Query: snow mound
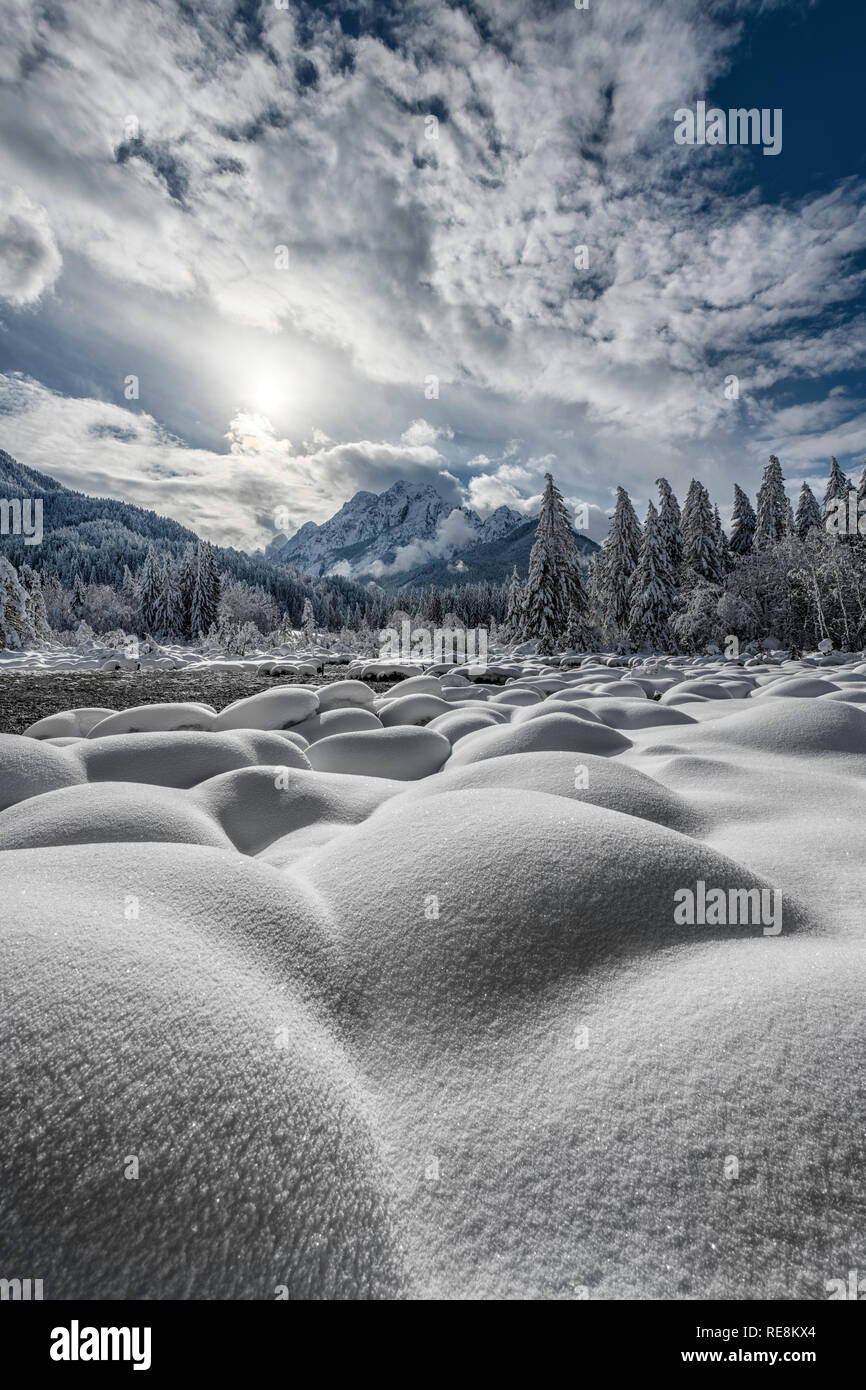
346, 694
797, 687
183, 759
107, 811
553, 733
503, 935
456, 724
193, 1051
420, 685
794, 725
159, 718
632, 714
597, 781
29, 768
554, 704
335, 721
71, 723
403, 753
417, 708
256, 806
270, 709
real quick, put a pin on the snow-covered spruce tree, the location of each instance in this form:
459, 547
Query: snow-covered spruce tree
808, 512
308, 621
79, 597
651, 589
204, 607
16, 630
580, 635
670, 524
555, 582
701, 553
772, 513
621, 550
37, 616
148, 591
514, 611
168, 619
837, 487
742, 523
186, 585
595, 591
212, 578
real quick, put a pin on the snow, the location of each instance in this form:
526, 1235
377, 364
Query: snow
402, 1010
269, 709
401, 752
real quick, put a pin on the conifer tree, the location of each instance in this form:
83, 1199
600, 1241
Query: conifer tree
204, 606
555, 582
670, 524
79, 597
701, 553
168, 618
186, 586
772, 514
742, 523
837, 488
15, 627
651, 588
37, 618
621, 550
308, 621
808, 512
514, 609
148, 589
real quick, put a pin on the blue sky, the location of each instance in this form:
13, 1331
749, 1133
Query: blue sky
154, 155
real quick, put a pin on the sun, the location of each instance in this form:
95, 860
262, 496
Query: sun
266, 395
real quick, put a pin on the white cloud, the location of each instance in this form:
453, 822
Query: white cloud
422, 432
240, 497
168, 184
453, 533
29, 259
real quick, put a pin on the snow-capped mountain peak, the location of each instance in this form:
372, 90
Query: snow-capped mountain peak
373, 534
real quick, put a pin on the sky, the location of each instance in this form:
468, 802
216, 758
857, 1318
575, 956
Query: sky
256, 255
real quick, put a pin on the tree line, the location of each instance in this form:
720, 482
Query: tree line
679, 582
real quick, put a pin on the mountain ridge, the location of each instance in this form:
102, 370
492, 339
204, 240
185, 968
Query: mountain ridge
409, 535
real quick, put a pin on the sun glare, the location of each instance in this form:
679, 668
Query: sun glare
265, 395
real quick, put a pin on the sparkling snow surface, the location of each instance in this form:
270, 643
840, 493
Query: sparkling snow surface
384, 996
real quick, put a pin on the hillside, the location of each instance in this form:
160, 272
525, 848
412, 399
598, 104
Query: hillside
96, 536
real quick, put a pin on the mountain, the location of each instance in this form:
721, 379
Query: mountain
409, 535
96, 536
373, 536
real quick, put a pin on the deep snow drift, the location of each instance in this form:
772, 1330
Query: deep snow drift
343, 995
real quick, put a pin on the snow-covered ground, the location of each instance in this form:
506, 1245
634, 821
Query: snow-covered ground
359, 996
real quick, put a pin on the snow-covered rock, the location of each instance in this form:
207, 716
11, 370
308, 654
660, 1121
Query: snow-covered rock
281, 708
